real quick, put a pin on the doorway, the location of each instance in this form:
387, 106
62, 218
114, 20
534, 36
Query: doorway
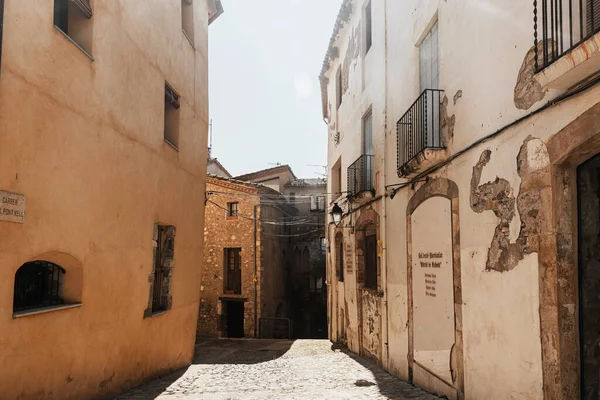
588, 216
233, 316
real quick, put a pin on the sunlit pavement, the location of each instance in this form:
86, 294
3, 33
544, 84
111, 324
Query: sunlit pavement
277, 369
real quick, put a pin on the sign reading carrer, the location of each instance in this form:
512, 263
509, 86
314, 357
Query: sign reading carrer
12, 207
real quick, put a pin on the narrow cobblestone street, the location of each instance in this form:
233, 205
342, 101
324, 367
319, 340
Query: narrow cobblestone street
277, 369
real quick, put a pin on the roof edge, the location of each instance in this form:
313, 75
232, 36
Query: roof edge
343, 16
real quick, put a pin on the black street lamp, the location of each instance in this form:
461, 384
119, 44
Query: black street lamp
336, 213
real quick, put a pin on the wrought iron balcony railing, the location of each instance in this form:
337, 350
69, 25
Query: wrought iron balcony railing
419, 127
561, 25
360, 175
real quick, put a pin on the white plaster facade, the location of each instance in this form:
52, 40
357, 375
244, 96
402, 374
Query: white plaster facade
482, 47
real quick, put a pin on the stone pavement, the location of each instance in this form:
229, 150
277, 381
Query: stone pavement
277, 369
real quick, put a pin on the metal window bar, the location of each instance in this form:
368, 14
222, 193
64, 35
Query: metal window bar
561, 25
419, 128
360, 175
158, 303
37, 284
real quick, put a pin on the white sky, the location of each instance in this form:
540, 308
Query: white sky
265, 57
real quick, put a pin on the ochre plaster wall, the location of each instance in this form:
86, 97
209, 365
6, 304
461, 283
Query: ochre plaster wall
83, 141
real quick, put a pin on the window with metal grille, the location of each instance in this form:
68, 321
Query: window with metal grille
233, 271
233, 210
163, 262
73, 18
368, 28
187, 19
38, 284
172, 106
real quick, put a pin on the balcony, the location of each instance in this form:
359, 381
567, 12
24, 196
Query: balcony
566, 41
419, 142
360, 175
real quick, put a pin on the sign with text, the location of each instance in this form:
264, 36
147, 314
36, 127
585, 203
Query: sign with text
349, 257
433, 286
12, 207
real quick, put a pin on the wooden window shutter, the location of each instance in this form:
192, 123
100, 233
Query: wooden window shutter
84, 6
171, 97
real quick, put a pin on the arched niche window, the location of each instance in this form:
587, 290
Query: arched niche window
38, 284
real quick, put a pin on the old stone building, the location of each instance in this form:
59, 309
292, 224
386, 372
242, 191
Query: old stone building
304, 246
103, 119
243, 274
466, 135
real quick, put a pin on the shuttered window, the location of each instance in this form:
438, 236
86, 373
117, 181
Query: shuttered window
428, 60
368, 134
593, 16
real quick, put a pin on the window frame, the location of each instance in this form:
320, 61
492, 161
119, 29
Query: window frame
69, 11
231, 214
339, 87
187, 6
172, 117
230, 286
368, 24
371, 270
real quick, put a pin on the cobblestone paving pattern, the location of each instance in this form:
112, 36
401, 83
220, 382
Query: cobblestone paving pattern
277, 369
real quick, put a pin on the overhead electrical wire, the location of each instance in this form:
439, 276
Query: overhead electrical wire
300, 221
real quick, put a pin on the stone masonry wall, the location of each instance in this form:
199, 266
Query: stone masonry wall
221, 233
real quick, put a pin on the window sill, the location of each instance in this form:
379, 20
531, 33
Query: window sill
157, 313
172, 145
43, 310
75, 43
188, 39
232, 218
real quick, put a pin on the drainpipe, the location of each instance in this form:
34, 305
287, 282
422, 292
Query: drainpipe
385, 353
255, 278
1, 28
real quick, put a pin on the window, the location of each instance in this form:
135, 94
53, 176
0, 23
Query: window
336, 179
428, 60
74, 19
187, 19
323, 244
232, 210
339, 257
164, 249
317, 203
368, 28
293, 199
233, 271
368, 133
338, 87
371, 260
171, 116
38, 284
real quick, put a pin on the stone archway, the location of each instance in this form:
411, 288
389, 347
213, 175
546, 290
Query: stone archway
446, 193
558, 248
368, 283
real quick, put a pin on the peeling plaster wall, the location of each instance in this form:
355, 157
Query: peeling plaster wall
485, 70
508, 232
363, 81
